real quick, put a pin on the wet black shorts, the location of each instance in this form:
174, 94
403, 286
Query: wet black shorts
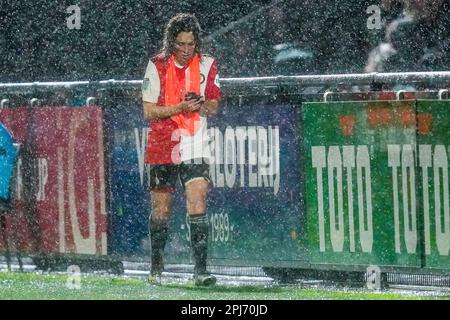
164, 176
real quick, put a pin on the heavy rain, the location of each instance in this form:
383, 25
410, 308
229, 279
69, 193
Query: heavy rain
224, 150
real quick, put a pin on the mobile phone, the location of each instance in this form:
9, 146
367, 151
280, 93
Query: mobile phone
192, 95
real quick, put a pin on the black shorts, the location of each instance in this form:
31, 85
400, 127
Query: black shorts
164, 177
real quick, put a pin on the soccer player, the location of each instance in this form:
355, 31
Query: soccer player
180, 91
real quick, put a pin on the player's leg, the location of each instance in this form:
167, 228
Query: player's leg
162, 184
196, 185
159, 230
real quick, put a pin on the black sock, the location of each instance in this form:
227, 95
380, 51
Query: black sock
158, 237
199, 242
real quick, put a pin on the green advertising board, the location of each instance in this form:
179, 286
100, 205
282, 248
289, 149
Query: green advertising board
433, 137
361, 199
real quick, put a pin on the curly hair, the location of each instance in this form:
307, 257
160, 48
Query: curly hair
182, 22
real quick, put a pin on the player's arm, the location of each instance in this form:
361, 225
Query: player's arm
153, 111
210, 106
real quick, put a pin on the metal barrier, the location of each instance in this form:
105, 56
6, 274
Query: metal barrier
428, 79
281, 195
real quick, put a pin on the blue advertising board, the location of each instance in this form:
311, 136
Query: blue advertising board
255, 205
128, 201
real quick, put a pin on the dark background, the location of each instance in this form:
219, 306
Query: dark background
117, 38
